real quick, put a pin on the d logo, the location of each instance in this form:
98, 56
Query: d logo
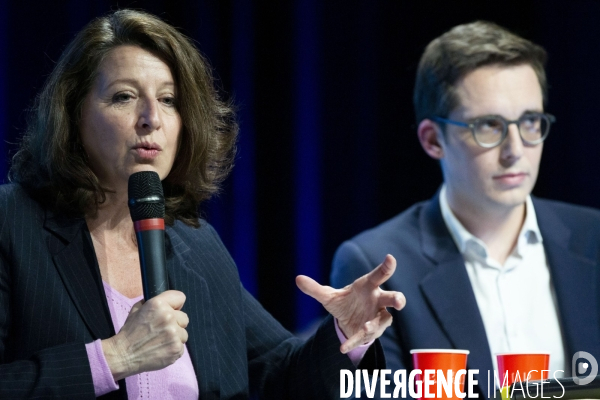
583, 367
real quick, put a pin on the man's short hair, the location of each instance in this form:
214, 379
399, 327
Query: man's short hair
461, 50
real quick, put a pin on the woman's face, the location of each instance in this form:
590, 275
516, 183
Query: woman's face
129, 120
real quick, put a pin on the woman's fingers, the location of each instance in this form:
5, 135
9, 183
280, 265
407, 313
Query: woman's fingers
382, 272
369, 331
315, 290
172, 298
391, 299
152, 337
182, 319
183, 335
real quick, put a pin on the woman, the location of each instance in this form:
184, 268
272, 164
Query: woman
130, 94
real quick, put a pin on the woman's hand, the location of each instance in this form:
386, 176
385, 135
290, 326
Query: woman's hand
360, 308
152, 337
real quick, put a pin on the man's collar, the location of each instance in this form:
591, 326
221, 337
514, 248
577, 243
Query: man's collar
530, 230
466, 241
459, 233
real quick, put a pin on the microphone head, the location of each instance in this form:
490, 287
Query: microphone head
146, 199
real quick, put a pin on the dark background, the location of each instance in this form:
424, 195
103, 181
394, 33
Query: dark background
323, 88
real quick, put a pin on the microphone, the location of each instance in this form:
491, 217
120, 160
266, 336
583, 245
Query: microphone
147, 208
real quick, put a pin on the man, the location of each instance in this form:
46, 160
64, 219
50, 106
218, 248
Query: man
483, 265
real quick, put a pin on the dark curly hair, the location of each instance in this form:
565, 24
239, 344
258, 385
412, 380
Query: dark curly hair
461, 50
51, 163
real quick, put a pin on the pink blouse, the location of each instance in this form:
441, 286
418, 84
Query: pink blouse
177, 381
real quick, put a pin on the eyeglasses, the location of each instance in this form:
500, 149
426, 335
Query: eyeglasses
490, 130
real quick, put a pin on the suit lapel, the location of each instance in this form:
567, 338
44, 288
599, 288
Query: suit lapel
202, 344
449, 293
574, 277
448, 290
75, 260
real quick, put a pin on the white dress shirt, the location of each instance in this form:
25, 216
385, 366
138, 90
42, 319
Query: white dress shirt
516, 300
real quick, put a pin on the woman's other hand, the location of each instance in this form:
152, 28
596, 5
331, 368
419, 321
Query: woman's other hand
360, 308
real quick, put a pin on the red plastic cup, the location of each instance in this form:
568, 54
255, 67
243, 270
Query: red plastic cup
529, 367
440, 359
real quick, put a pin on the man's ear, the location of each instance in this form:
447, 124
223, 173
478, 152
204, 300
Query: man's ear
430, 136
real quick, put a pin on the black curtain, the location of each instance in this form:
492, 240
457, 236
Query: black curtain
323, 89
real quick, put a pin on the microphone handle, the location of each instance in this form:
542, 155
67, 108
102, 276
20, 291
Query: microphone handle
151, 248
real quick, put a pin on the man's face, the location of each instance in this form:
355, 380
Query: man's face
501, 177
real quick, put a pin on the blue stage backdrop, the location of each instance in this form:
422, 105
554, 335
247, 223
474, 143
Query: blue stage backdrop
323, 91
3, 87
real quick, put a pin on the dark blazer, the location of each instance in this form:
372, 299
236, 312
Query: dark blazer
52, 303
441, 310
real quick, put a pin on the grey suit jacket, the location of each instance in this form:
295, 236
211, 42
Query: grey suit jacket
52, 303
